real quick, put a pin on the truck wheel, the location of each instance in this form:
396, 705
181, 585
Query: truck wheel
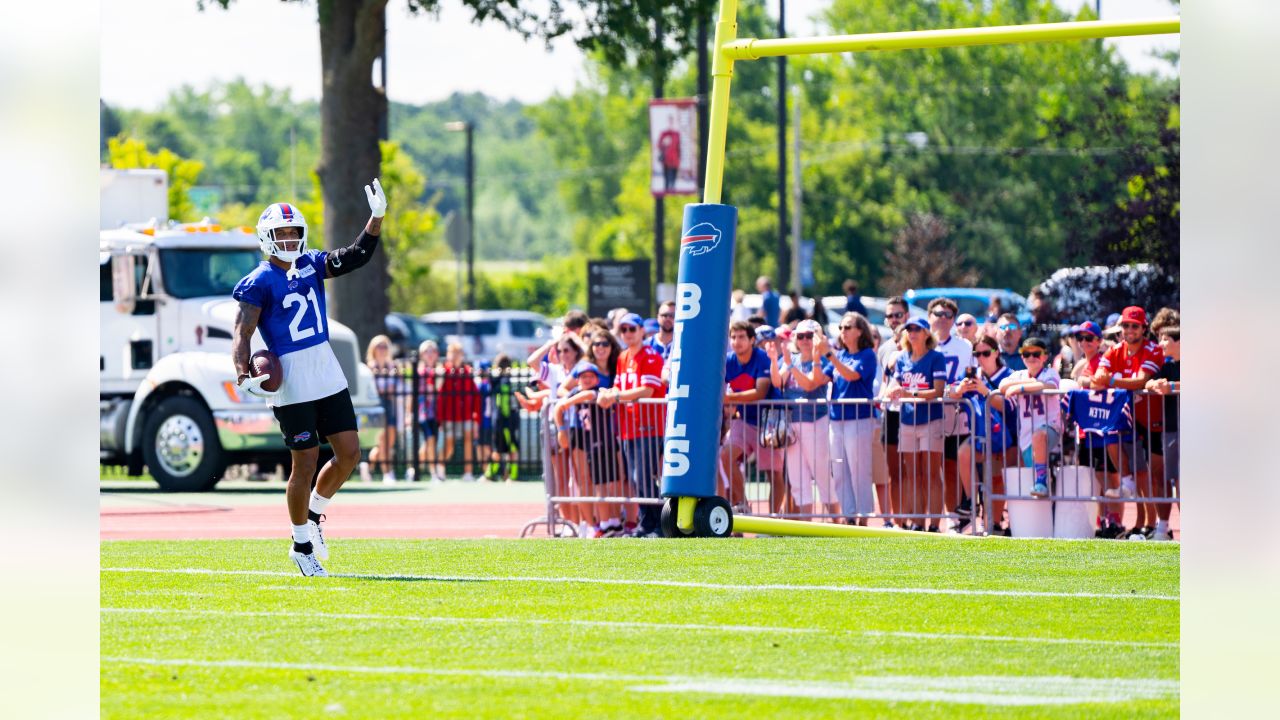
180, 446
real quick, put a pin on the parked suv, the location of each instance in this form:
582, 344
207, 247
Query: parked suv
485, 333
407, 332
974, 301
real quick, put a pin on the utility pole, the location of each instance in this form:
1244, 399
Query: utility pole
659, 201
783, 260
797, 196
704, 100
471, 218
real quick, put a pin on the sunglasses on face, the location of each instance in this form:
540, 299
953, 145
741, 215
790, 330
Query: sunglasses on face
895, 315
966, 323
803, 336
848, 327
1010, 326
943, 314
1082, 337
984, 353
627, 328
600, 343
568, 349
1033, 354
915, 328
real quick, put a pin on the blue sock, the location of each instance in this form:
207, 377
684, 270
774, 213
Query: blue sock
1042, 473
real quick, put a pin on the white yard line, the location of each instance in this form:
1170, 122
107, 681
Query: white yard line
986, 690
615, 624
669, 583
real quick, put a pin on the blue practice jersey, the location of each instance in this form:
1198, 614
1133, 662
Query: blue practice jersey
920, 375
1100, 415
293, 309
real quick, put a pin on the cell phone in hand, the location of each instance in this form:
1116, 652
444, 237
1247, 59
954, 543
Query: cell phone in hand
970, 373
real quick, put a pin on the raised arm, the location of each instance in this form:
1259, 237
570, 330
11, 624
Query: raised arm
355, 255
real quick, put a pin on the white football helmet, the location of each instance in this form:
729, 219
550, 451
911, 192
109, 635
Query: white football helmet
278, 215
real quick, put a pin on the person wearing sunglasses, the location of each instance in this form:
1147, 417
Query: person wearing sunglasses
1009, 334
852, 425
1088, 344
990, 414
1130, 365
661, 340
919, 374
805, 375
641, 425
1039, 415
746, 377
967, 327
955, 424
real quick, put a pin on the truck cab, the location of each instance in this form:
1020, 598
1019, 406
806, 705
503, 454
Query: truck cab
169, 401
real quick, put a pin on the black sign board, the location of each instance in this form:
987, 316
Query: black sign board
618, 283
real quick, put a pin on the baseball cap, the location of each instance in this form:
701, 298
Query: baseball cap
783, 332
1088, 326
766, 332
651, 325
630, 319
1133, 313
808, 326
586, 367
916, 321
1112, 320
1035, 342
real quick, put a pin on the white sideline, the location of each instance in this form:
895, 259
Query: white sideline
987, 690
666, 583
619, 624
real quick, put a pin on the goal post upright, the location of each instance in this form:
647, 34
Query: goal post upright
690, 464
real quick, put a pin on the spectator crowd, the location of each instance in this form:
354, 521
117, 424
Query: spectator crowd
894, 426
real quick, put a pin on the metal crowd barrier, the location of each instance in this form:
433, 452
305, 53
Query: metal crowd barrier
445, 423
1122, 451
778, 458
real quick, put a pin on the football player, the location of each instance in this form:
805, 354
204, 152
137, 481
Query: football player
283, 298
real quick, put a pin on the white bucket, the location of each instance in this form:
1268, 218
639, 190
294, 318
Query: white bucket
1075, 519
1032, 517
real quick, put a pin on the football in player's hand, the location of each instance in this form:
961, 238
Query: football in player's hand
265, 362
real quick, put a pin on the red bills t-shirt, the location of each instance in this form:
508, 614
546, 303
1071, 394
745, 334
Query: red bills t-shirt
641, 366
1147, 411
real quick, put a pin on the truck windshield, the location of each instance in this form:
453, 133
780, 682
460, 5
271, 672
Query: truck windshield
197, 272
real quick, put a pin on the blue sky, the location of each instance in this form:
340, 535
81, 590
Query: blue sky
150, 47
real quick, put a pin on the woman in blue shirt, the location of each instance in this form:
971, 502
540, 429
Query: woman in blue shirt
918, 377
852, 425
805, 376
991, 372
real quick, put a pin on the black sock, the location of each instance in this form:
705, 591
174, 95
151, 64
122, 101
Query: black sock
304, 548
313, 516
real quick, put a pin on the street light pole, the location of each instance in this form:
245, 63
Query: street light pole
469, 128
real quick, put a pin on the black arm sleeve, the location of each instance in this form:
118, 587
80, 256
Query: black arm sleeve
352, 257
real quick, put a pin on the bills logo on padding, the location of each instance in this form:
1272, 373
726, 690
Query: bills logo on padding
702, 238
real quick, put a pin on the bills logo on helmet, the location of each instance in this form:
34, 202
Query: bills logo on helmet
702, 239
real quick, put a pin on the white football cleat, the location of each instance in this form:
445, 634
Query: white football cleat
318, 545
308, 564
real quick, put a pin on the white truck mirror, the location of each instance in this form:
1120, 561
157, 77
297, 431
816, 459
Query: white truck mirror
124, 290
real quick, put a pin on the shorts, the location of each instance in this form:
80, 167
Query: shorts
951, 445
391, 407
430, 428
1168, 449
892, 420
1097, 458
920, 438
1054, 437
486, 433
746, 438
303, 424
1133, 454
506, 436
454, 429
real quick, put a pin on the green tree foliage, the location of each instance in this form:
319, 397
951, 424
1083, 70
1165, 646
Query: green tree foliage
125, 153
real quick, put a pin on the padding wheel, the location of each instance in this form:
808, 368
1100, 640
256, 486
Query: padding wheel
712, 517
667, 519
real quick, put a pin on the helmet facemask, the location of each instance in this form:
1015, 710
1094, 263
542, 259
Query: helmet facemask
276, 246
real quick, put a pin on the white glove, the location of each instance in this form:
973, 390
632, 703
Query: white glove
377, 199
253, 386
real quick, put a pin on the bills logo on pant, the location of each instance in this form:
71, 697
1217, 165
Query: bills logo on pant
700, 239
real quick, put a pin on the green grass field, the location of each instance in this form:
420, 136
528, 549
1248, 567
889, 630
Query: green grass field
642, 628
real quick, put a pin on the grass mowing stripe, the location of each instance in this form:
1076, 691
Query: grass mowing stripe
437, 619
984, 690
665, 583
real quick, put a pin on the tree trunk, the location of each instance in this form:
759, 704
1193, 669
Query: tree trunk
352, 36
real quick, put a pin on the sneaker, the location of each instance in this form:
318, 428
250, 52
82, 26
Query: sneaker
308, 564
1110, 531
388, 478
964, 508
1040, 489
584, 530
319, 546
1129, 487
365, 475
1162, 536
410, 475
468, 477
514, 473
958, 526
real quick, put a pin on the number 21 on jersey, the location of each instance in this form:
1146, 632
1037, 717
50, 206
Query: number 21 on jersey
296, 331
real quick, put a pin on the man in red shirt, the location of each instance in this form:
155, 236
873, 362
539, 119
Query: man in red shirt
1128, 366
640, 425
